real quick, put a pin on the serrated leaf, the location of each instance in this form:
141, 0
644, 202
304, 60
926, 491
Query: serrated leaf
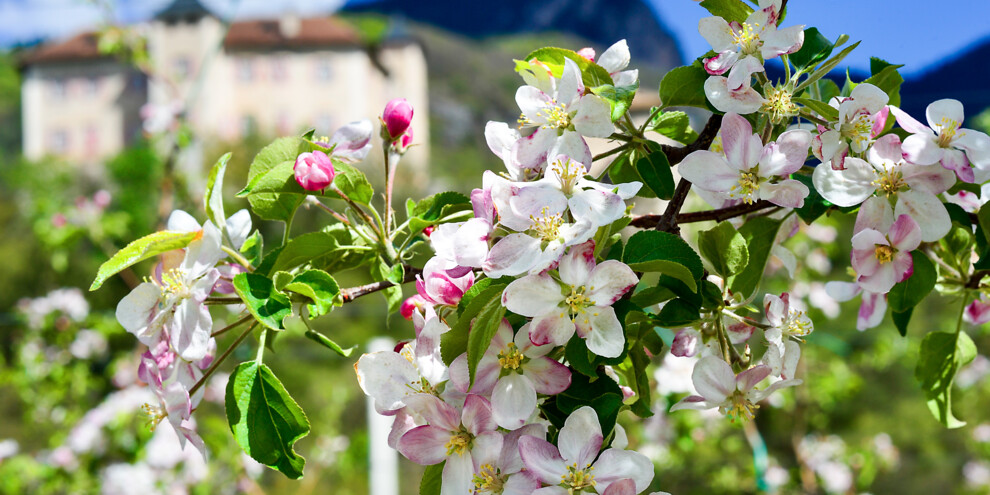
730, 10
814, 49
274, 206
684, 87
325, 341
213, 200
265, 420
259, 295
941, 356
655, 171
888, 80
907, 294
655, 251
600, 392
142, 249
253, 248
825, 110
725, 248
579, 357
619, 98
759, 234
432, 479
826, 67
317, 248
482, 331
455, 342
677, 313
674, 125
592, 74
281, 180
319, 287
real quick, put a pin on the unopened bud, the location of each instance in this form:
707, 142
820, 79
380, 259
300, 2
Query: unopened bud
314, 171
397, 116
588, 53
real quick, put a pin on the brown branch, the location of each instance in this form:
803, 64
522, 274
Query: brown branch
676, 154
648, 221
976, 278
352, 293
668, 222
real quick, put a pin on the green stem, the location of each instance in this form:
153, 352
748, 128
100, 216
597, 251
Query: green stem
240, 259
261, 346
962, 311
288, 227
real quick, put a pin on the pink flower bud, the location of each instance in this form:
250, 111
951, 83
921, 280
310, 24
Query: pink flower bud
588, 53
59, 220
397, 116
686, 343
102, 198
402, 144
314, 171
411, 305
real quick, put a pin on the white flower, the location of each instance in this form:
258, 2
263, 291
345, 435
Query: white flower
733, 395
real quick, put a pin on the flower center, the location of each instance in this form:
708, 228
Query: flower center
567, 175
739, 407
797, 325
576, 479
488, 479
947, 130
716, 146
884, 253
748, 37
889, 181
547, 226
779, 105
459, 443
577, 301
510, 358
748, 186
859, 130
556, 116
155, 415
173, 283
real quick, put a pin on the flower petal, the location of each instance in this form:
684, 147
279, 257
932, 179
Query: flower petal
927, 211
533, 295
709, 171
424, 445
786, 155
788, 193
942, 112
602, 331
552, 328
513, 401
593, 118
609, 281
714, 379
847, 187
542, 459
616, 464
581, 437
548, 376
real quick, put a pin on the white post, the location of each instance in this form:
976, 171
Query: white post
384, 460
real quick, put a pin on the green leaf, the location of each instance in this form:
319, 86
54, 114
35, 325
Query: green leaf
213, 200
889, 80
592, 74
455, 342
319, 287
901, 320
275, 206
824, 109
725, 248
730, 10
983, 220
907, 294
325, 341
826, 67
253, 248
684, 87
259, 295
654, 251
142, 249
432, 479
265, 420
815, 49
382, 272
677, 313
482, 331
579, 357
622, 171
759, 233
619, 98
600, 392
655, 171
941, 356
320, 249
430, 210
674, 125
652, 295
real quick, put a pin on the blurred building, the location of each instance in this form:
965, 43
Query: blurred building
271, 76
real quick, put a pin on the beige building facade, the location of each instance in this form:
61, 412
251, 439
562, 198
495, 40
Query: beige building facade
270, 77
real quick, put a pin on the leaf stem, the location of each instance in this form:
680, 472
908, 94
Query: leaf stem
238, 257
261, 346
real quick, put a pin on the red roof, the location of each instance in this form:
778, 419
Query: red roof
79, 47
313, 33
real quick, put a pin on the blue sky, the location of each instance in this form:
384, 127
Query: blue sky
917, 33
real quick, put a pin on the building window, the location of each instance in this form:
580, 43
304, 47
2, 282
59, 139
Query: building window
58, 89
280, 69
60, 141
323, 70
182, 67
245, 69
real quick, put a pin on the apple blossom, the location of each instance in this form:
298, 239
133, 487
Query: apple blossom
735, 93
581, 301
571, 466
513, 370
450, 435
881, 260
757, 36
915, 187
351, 143
587, 201
945, 141
749, 170
733, 395
615, 59
498, 469
314, 171
873, 305
442, 282
862, 117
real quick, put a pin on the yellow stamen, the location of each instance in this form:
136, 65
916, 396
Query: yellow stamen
488, 479
884, 253
739, 408
779, 106
577, 301
459, 443
576, 479
947, 130
747, 188
547, 226
510, 358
